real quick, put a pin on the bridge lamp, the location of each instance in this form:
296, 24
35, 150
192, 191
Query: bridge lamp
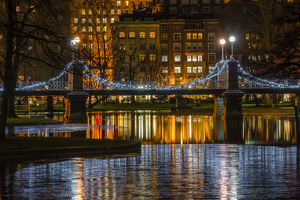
222, 42
232, 40
75, 43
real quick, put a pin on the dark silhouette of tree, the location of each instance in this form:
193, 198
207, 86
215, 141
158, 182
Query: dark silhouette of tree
33, 32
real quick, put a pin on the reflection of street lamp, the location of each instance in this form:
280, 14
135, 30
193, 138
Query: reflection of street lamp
222, 42
232, 40
75, 43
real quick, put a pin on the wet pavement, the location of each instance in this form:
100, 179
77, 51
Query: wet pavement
168, 171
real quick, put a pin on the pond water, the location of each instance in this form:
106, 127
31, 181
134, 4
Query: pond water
182, 157
151, 127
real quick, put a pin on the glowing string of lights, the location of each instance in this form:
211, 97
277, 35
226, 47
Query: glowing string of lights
205, 81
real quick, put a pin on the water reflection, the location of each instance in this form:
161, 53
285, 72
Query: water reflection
204, 171
152, 127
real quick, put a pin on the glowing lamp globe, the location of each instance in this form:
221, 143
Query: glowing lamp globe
222, 41
232, 39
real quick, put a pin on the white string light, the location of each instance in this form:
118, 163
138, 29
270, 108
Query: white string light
154, 85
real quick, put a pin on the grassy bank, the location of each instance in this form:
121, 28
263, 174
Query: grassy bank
33, 143
29, 121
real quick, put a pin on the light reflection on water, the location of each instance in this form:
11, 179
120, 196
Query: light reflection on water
204, 171
164, 128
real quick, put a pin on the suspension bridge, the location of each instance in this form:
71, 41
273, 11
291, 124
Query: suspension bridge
216, 82
228, 82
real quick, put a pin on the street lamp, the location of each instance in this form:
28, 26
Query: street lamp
75, 43
232, 40
222, 42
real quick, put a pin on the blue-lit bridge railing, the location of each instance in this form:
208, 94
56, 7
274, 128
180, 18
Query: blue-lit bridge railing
216, 79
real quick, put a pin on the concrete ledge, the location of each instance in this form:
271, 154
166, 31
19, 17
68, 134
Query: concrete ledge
68, 152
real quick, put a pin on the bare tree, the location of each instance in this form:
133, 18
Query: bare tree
31, 33
271, 43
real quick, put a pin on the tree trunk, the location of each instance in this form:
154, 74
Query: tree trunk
8, 68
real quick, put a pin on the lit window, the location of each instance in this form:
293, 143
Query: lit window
90, 37
91, 46
119, 12
83, 21
195, 36
98, 20
199, 36
142, 57
199, 58
83, 29
112, 12
194, 58
104, 29
177, 69
210, 68
104, 12
188, 36
104, 20
126, 3
199, 69
90, 29
164, 58
142, 35
177, 36
122, 47
83, 11
189, 69
194, 69
177, 57
189, 58
98, 29
118, 3
84, 46
112, 20
18, 9
177, 46
122, 35
164, 46
75, 28
131, 34
75, 20
152, 35
105, 37
152, 57
98, 12
90, 20
90, 12
164, 69
247, 36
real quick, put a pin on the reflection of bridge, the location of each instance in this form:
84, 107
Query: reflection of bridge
228, 80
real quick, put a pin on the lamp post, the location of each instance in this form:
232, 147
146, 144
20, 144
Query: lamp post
222, 42
232, 40
75, 43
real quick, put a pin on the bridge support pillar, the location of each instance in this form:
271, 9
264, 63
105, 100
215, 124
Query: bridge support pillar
181, 102
49, 104
233, 96
77, 97
218, 106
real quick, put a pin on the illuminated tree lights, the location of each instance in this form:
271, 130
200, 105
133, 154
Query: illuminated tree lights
246, 80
